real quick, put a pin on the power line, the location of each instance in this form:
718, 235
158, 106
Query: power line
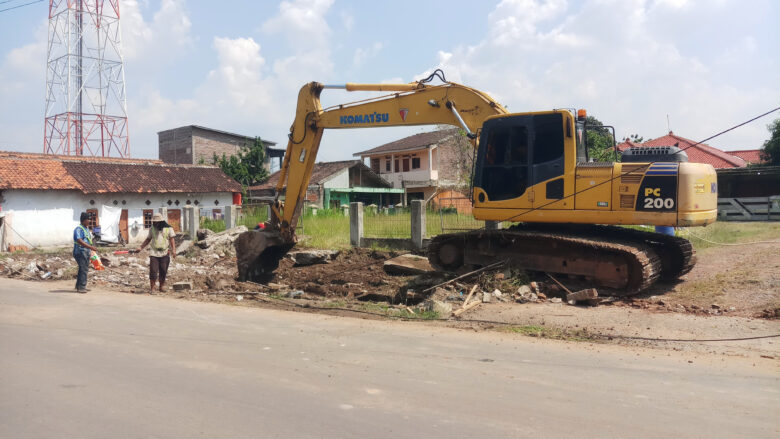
19, 6
641, 168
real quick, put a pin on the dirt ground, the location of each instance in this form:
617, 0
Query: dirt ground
733, 292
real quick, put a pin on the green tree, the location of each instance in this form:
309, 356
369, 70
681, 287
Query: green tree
770, 153
635, 138
600, 141
246, 167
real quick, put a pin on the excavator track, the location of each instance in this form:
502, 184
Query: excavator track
626, 263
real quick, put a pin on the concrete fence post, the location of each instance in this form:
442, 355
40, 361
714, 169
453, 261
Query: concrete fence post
418, 223
231, 216
193, 221
164, 213
492, 225
185, 220
355, 223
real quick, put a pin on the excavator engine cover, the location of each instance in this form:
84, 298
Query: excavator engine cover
258, 253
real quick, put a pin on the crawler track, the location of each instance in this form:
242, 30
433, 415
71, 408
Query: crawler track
625, 260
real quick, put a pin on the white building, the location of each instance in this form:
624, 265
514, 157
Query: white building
42, 196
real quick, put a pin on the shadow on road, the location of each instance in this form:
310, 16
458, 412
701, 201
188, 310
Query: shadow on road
64, 291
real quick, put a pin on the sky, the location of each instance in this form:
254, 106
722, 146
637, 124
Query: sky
644, 66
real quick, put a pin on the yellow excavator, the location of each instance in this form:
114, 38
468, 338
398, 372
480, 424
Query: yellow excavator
531, 170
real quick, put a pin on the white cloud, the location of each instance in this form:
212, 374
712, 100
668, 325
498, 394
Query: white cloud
158, 40
302, 22
364, 54
614, 59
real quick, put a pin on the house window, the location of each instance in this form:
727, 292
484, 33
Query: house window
397, 168
387, 165
94, 220
406, 165
415, 162
148, 218
375, 165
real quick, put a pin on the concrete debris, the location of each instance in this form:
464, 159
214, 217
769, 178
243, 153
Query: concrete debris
556, 300
293, 294
221, 241
32, 267
277, 287
180, 286
437, 306
524, 290
408, 265
310, 257
486, 297
183, 247
204, 233
497, 293
535, 287
582, 295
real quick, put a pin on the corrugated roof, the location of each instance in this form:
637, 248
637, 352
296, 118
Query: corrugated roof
108, 175
417, 141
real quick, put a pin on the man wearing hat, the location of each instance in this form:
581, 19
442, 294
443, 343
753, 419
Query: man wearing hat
161, 249
82, 245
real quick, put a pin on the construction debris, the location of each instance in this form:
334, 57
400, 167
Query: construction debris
437, 306
582, 296
181, 286
471, 305
305, 258
408, 264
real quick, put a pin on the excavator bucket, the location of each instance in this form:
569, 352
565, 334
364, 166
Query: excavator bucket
258, 253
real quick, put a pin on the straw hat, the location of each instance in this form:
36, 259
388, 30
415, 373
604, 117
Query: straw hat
157, 217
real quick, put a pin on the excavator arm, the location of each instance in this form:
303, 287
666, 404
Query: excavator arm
259, 252
410, 104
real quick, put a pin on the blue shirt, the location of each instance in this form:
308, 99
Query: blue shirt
83, 234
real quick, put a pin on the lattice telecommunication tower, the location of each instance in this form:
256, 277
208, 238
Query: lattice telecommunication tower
86, 107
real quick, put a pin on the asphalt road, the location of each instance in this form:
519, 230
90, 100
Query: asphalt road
123, 366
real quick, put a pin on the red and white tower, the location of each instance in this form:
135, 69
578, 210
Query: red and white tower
86, 107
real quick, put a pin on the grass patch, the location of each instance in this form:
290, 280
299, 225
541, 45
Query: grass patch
215, 226
730, 232
551, 333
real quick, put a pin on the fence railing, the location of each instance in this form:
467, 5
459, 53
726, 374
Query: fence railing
749, 209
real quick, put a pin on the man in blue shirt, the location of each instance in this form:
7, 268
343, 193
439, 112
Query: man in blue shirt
82, 245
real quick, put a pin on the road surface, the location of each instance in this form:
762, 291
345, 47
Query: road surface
117, 365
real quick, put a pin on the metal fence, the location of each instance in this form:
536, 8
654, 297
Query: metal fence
393, 222
450, 212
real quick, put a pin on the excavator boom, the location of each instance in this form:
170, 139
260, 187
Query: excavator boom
410, 104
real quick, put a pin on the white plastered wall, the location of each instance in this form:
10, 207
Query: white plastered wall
46, 218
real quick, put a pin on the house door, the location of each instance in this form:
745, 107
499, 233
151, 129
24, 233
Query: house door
174, 219
123, 226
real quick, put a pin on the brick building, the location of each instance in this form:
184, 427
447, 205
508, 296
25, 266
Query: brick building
193, 144
424, 163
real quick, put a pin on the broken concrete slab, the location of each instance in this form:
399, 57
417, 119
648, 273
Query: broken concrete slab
582, 295
303, 258
408, 265
204, 233
486, 297
437, 306
183, 247
181, 286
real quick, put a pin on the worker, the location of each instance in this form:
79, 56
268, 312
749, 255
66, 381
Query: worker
82, 246
161, 250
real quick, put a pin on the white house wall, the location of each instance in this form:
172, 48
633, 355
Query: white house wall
45, 218
338, 180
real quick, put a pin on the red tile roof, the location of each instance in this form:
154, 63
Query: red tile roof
752, 156
108, 175
417, 141
700, 153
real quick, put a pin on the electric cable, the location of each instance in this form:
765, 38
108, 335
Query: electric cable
19, 6
491, 322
